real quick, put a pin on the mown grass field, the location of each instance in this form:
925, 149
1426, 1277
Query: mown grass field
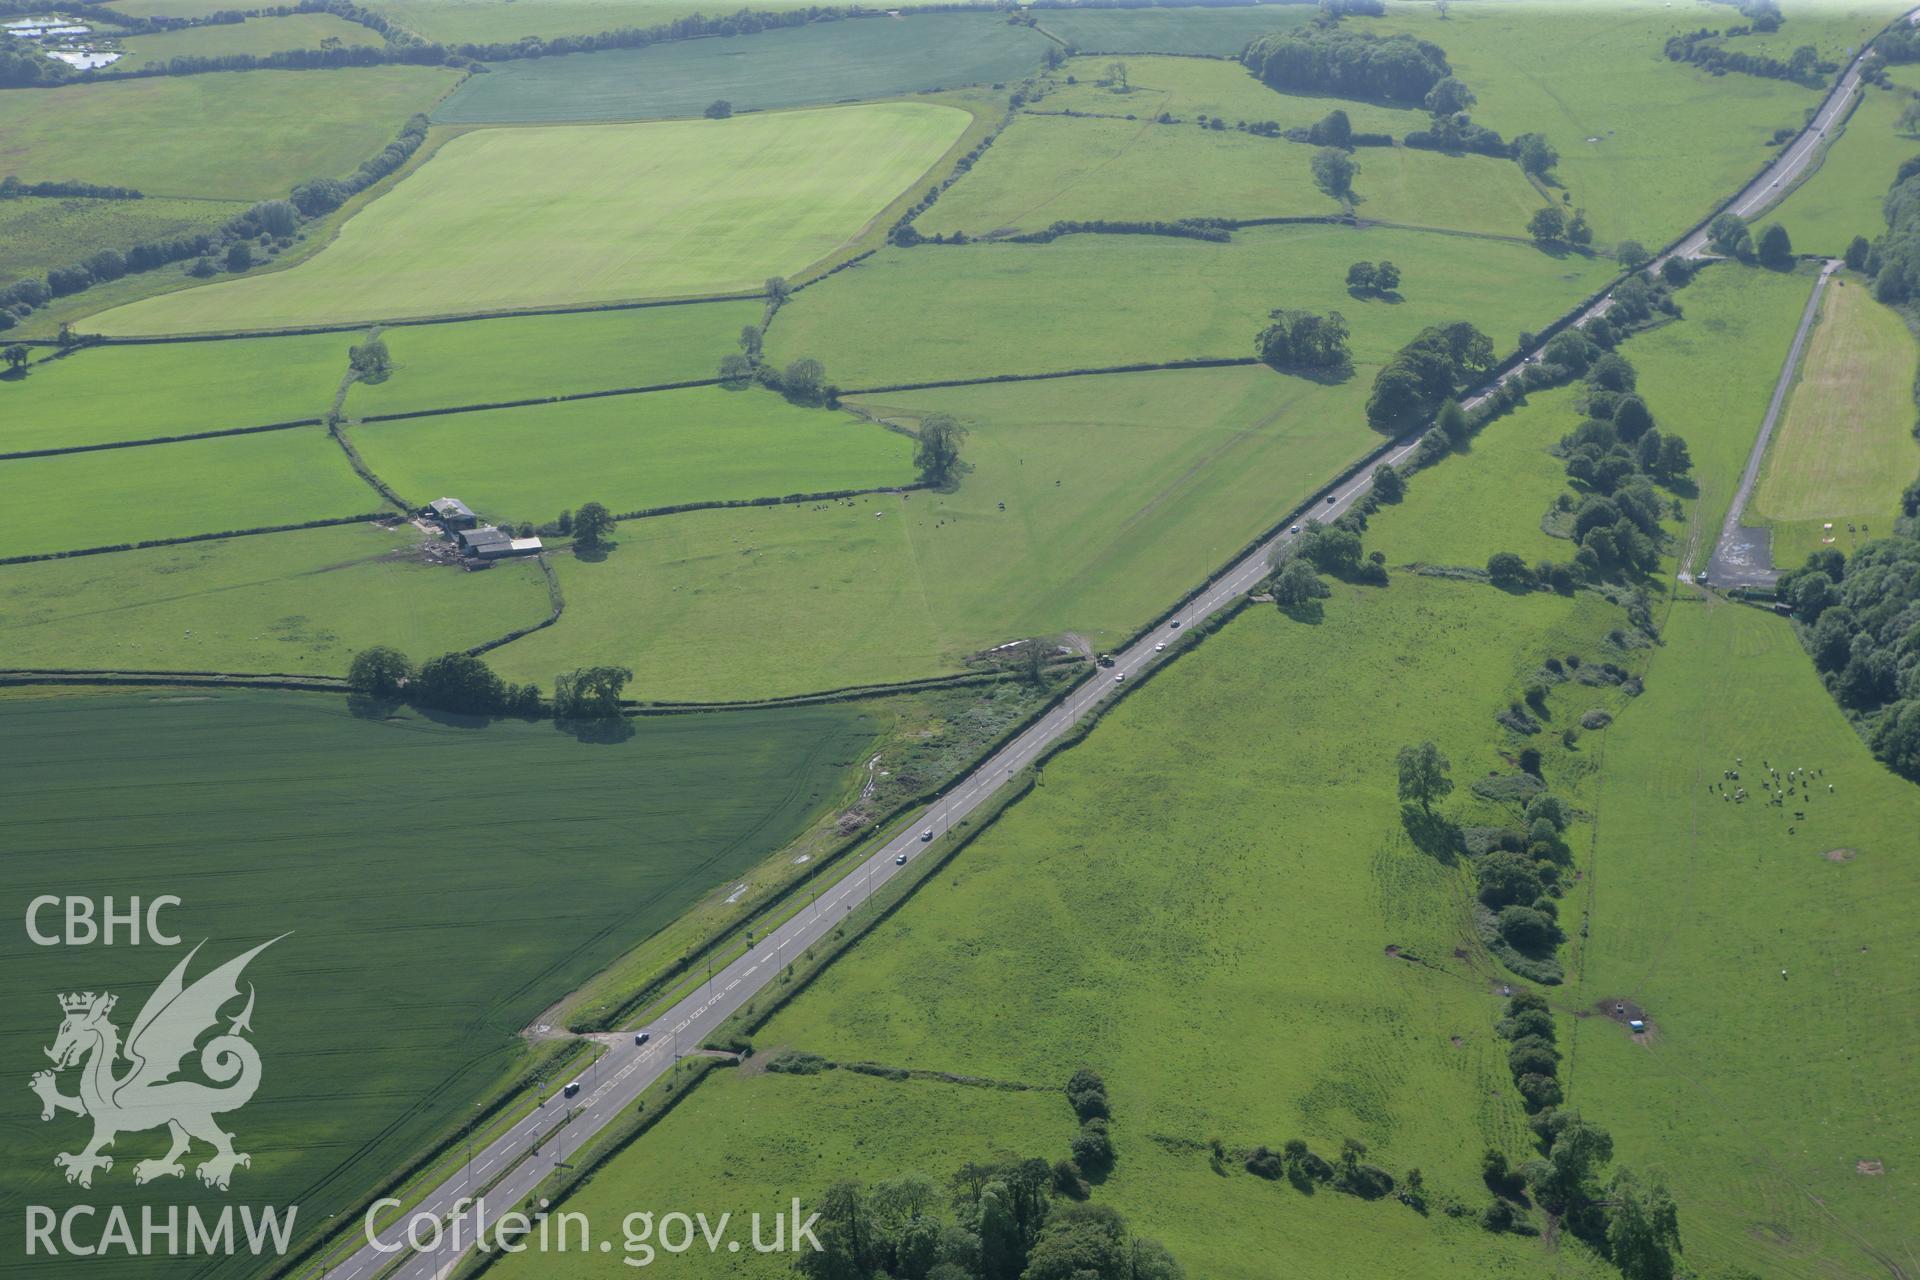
111, 393
443, 883
1159, 477
1188, 88
81, 500
1710, 376
1844, 449
1049, 168
438, 366
1758, 1096
229, 135
302, 602
825, 62
632, 452
256, 36
1842, 198
1489, 497
1091, 301
553, 216
1223, 31
1140, 913
39, 233
1647, 146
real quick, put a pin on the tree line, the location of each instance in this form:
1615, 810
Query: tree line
260, 232
1702, 48
465, 685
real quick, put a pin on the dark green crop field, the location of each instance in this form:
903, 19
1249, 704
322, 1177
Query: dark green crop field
442, 885
828, 62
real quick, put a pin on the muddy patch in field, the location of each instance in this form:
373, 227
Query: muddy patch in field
1840, 855
1626, 1013
1393, 949
1870, 1168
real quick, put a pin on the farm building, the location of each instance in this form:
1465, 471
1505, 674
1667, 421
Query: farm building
452, 514
489, 543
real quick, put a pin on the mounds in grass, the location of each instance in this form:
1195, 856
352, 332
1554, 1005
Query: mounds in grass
1869, 1168
1840, 855
500, 219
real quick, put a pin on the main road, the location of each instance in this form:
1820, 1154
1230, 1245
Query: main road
508, 1169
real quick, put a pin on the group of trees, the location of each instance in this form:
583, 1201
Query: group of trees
268, 226
1351, 64
1380, 279
370, 361
936, 450
1518, 879
1298, 1164
1859, 617
1703, 49
1334, 171
456, 682
1304, 340
1002, 1221
1426, 372
1551, 225
1729, 234
589, 693
1893, 259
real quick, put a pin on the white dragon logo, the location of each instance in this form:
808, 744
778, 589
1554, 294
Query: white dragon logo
147, 1096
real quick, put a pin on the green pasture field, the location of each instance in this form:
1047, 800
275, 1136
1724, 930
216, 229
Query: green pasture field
1710, 376
1192, 29
227, 135
1187, 88
632, 452
79, 500
38, 233
1089, 301
581, 214
1758, 1095
439, 366
1432, 189
844, 61
172, 8
256, 36
1141, 906
1049, 168
1842, 198
443, 883
1668, 142
1844, 449
1488, 498
302, 602
103, 394
1118, 493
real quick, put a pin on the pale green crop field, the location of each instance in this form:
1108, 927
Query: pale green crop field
104, 394
1159, 477
80, 500
256, 36
632, 452
227, 135
440, 366
1844, 449
529, 217
1842, 198
1758, 1095
1647, 146
1187, 88
302, 602
1455, 193
1092, 301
